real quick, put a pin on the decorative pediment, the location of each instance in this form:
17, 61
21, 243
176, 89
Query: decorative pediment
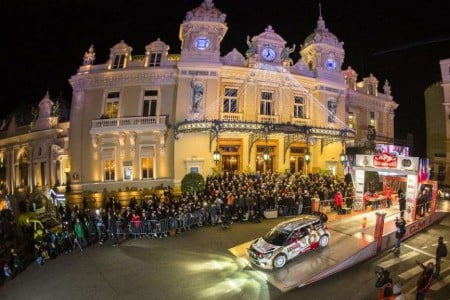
234, 58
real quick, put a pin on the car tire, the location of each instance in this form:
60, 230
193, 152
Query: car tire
323, 241
279, 261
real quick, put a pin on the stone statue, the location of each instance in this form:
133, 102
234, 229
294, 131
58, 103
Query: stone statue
35, 113
287, 61
251, 51
197, 95
55, 109
332, 106
387, 88
89, 57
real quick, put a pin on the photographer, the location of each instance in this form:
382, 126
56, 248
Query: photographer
425, 280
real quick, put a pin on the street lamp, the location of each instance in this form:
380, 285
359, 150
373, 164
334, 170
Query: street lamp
343, 158
266, 154
307, 156
216, 156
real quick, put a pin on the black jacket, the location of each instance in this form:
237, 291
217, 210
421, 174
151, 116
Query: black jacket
441, 251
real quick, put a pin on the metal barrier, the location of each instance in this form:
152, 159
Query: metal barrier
159, 228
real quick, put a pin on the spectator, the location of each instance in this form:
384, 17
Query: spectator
80, 234
402, 204
338, 202
425, 280
397, 292
7, 271
441, 252
401, 230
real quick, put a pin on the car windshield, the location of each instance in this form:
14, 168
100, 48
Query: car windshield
276, 237
49, 223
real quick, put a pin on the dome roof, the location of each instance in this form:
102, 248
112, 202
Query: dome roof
206, 12
322, 35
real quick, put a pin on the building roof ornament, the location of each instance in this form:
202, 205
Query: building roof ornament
234, 58
89, 56
387, 88
321, 35
206, 12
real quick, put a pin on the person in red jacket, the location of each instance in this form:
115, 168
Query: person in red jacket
338, 202
388, 194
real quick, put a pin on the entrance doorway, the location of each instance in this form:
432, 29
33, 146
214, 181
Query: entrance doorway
230, 154
297, 160
269, 165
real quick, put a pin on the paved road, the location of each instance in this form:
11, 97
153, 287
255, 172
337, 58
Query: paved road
197, 265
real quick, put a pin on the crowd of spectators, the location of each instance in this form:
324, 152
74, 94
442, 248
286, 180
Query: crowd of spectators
231, 197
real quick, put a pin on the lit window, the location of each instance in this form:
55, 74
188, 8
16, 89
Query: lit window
266, 104
150, 103
155, 60
147, 163
351, 120
230, 100
109, 169
299, 107
112, 105
119, 61
372, 119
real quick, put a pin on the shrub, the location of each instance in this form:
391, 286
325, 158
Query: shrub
192, 182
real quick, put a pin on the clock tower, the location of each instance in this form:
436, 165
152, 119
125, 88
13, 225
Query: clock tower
266, 49
201, 33
323, 53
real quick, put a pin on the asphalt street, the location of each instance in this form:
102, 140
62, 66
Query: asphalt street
197, 265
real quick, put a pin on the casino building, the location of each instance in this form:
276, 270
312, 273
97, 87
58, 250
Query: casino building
142, 120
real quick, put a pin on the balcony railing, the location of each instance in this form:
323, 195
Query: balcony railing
227, 116
268, 118
131, 122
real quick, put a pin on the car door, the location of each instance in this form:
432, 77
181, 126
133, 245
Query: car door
293, 245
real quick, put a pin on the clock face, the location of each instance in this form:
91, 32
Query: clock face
202, 43
268, 53
331, 64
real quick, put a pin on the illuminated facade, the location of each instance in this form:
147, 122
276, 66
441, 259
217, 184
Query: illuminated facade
437, 109
34, 150
142, 120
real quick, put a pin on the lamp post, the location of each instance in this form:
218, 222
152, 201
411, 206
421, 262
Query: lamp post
216, 156
307, 153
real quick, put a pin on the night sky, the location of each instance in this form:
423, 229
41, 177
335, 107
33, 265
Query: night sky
44, 41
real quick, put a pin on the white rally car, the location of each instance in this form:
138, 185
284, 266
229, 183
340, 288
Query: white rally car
288, 240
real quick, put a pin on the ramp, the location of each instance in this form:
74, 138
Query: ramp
310, 267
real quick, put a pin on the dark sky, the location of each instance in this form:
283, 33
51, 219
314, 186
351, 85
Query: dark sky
43, 41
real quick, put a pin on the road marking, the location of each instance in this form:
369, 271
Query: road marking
397, 260
414, 271
438, 284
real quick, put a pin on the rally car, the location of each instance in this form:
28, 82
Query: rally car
289, 239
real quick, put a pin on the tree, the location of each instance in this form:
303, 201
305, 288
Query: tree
192, 183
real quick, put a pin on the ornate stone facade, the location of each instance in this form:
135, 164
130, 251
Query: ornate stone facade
139, 121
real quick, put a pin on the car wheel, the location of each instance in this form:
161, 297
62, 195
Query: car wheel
279, 261
323, 241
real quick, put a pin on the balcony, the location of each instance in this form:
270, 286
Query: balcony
268, 119
227, 116
300, 121
130, 124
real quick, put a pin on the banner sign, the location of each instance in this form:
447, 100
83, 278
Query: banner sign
385, 160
